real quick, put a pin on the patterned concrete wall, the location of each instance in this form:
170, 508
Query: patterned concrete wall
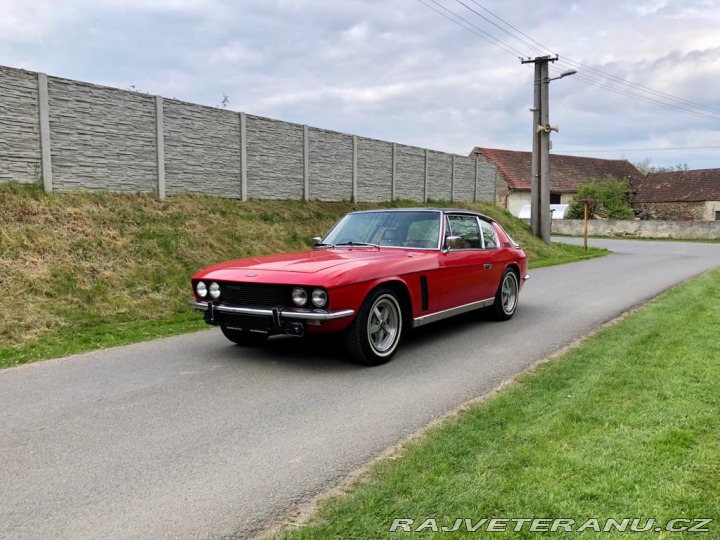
103, 138
439, 176
19, 126
330, 167
374, 162
275, 159
464, 179
409, 173
202, 150
486, 182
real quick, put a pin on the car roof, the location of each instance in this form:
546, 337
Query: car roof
427, 209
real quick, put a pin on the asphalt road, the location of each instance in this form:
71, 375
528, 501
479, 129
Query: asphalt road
192, 436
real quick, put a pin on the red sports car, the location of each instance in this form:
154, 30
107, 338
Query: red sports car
375, 275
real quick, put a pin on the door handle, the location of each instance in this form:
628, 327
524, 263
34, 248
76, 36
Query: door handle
487, 266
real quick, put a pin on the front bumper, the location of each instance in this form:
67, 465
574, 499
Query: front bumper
278, 314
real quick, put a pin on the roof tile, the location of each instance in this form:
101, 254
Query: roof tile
566, 171
679, 186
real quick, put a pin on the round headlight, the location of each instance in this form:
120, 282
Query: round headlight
201, 289
319, 298
299, 296
214, 290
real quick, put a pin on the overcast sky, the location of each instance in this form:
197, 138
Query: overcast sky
397, 70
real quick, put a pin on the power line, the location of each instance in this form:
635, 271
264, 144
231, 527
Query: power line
532, 47
628, 150
647, 99
593, 76
542, 47
484, 35
620, 80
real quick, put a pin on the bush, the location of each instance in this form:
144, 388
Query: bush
611, 199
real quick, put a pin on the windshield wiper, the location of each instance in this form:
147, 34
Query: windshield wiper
323, 244
362, 244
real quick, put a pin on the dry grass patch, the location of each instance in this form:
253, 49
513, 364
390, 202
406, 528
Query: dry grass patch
83, 263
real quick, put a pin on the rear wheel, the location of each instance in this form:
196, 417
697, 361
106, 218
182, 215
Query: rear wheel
374, 335
243, 338
506, 298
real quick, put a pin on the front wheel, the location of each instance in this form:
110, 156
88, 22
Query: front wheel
374, 335
506, 298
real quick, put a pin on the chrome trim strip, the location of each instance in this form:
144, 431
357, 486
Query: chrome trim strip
289, 313
316, 315
440, 315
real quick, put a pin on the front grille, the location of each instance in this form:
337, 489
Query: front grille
255, 294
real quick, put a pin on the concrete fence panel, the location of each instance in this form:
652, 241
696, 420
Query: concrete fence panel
409, 173
464, 178
374, 164
101, 138
71, 135
274, 159
19, 127
202, 150
330, 156
439, 176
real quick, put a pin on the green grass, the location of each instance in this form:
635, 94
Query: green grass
625, 425
83, 271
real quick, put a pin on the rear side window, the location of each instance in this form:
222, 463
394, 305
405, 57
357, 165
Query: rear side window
490, 238
466, 227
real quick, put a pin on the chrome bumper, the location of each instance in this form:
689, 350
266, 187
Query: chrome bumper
275, 313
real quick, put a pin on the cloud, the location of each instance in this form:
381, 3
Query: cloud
392, 70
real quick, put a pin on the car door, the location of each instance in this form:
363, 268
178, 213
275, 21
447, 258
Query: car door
463, 276
493, 259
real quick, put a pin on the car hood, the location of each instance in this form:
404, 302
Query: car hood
310, 267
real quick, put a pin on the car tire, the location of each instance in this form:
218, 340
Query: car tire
506, 298
374, 335
248, 339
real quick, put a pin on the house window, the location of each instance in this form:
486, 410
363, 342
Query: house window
555, 198
717, 215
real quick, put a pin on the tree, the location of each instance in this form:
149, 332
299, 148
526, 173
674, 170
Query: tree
610, 195
645, 167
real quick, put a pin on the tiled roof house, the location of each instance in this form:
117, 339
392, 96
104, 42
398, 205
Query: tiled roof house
566, 172
686, 195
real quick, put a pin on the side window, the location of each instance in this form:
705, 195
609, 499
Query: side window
467, 228
490, 238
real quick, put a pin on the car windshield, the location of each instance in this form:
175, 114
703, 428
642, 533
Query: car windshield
409, 228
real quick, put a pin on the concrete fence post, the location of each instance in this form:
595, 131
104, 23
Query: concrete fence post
45, 154
452, 179
306, 165
425, 186
392, 176
243, 157
354, 169
160, 145
477, 166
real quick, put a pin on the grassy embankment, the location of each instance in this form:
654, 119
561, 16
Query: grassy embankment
624, 426
84, 271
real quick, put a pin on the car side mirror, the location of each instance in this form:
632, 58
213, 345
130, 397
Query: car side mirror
316, 240
452, 242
